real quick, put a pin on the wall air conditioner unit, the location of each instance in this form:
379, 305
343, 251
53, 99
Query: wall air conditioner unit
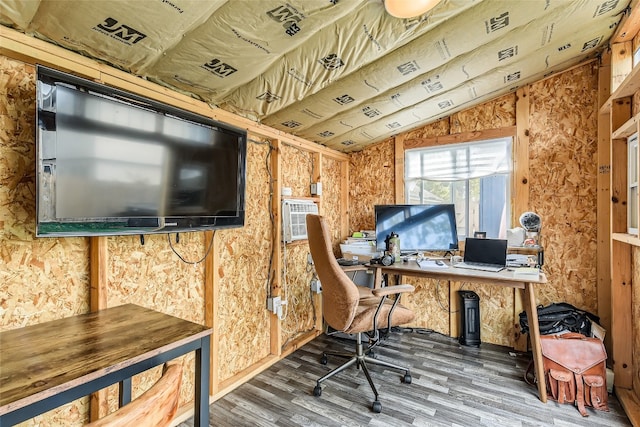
294, 217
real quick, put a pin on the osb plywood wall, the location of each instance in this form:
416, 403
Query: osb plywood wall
40, 279
244, 253
331, 201
563, 171
371, 176
152, 275
300, 313
562, 156
299, 164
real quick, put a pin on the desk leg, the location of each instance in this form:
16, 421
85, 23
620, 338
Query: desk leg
124, 395
201, 401
534, 333
377, 278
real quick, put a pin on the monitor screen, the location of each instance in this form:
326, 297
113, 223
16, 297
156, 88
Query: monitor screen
110, 162
421, 228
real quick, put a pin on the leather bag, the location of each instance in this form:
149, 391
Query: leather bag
575, 370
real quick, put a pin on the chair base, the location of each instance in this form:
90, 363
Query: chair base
360, 359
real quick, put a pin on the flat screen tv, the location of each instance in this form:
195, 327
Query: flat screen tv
109, 162
421, 228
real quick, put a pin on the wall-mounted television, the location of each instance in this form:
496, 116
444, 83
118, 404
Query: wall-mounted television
110, 162
421, 228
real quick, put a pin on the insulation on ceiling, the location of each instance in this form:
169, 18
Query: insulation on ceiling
341, 73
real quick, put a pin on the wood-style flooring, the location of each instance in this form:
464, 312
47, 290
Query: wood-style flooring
452, 385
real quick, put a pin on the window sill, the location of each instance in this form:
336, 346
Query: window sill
631, 239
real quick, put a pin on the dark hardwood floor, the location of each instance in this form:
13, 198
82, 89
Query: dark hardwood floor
452, 385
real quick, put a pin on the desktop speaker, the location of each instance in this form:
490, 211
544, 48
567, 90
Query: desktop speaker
469, 318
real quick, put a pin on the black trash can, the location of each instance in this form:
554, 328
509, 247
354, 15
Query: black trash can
469, 318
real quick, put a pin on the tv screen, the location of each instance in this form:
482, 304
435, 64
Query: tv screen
111, 162
421, 228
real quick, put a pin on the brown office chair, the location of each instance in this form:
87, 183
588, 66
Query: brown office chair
153, 408
347, 310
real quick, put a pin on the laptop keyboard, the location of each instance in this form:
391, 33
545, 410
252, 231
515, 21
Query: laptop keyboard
479, 266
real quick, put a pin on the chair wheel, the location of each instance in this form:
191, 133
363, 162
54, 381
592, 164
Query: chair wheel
407, 379
317, 391
376, 407
324, 359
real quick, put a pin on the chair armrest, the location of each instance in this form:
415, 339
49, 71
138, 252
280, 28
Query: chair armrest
392, 290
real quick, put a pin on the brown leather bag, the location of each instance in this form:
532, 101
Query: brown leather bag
575, 370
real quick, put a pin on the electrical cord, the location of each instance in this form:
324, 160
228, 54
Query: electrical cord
182, 258
445, 309
270, 272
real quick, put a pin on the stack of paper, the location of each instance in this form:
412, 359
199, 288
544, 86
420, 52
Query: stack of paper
524, 272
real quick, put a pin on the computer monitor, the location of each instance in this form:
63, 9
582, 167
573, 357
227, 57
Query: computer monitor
421, 228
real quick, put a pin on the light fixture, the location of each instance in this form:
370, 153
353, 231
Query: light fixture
409, 8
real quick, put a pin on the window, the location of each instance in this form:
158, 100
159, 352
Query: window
474, 176
632, 196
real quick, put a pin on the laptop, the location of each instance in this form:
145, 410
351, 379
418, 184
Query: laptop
484, 254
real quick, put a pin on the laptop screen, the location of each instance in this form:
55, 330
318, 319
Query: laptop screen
486, 251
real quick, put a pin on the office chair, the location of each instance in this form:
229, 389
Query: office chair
155, 407
348, 310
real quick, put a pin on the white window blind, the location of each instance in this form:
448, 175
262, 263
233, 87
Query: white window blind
457, 162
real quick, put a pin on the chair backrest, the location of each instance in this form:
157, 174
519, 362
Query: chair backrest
339, 294
153, 408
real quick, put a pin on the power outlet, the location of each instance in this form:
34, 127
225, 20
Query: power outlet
273, 304
316, 286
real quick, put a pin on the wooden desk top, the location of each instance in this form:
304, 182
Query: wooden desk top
45, 359
504, 277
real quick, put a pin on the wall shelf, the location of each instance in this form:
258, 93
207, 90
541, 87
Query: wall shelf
629, 86
627, 129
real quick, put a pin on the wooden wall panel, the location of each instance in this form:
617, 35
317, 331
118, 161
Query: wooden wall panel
372, 182
243, 322
563, 190
299, 314
439, 128
153, 276
297, 173
332, 207
430, 303
496, 114
496, 313
297, 166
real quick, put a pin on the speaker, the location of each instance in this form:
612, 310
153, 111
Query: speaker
469, 318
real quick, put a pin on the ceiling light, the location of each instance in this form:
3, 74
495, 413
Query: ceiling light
409, 8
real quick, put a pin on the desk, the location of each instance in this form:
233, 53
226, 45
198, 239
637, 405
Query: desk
503, 278
49, 364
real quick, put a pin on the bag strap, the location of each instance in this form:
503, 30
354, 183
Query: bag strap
580, 395
530, 374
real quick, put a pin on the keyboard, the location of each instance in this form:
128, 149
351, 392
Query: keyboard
479, 266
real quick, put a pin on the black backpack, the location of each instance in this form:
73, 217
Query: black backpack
559, 317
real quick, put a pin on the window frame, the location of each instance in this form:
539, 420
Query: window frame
518, 151
632, 184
